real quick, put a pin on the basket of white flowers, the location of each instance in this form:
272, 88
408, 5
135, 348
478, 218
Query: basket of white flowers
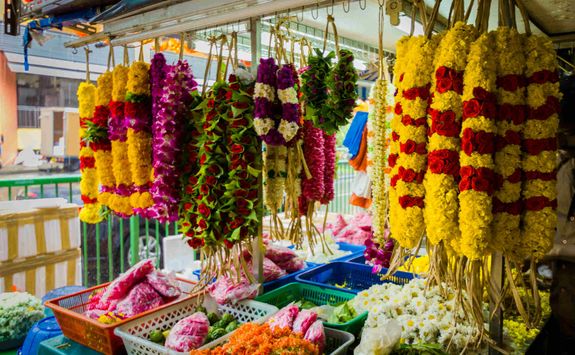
18, 312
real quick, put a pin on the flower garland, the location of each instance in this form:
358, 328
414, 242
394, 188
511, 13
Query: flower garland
377, 119
90, 213
329, 149
117, 133
211, 177
540, 147
409, 227
287, 80
275, 169
103, 150
313, 189
442, 208
138, 119
167, 141
510, 120
341, 83
402, 48
478, 133
314, 88
241, 193
267, 107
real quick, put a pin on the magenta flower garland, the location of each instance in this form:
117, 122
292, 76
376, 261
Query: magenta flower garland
329, 143
313, 189
171, 110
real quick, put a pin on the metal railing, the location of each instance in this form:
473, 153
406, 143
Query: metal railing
110, 247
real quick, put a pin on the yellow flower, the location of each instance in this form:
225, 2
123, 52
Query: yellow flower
378, 118
139, 78
120, 79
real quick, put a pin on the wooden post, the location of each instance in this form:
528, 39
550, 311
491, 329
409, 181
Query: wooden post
496, 323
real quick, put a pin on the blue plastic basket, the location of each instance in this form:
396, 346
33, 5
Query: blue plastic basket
45, 329
284, 280
356, 250
350, 276
360, 259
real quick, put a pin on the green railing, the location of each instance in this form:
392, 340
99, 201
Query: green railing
110, 247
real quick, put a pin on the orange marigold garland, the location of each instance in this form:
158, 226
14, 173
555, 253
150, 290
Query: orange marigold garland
138, 118
442, 207
478, 131
409, 227
90, 213
103, 148
510, 119
540, 147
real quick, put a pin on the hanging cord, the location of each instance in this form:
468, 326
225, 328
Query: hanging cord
346, 8
233, 52
292, 50
157, 45
331, 20
413, 14
486, 11
126, 56
450, 17
141, 56
230, 59
272, 33
330, 13
87, 50
468, 12
432, 19
224, 40
182, 45
316, 16
381, 22
110, 58
512, 16
364, 6
212, 41
422, 12
524, 15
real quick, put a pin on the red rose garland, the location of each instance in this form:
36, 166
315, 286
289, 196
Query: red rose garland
329, 142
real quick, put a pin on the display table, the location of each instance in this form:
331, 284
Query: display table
61, 345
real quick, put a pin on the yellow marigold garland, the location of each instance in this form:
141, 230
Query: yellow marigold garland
412, 160
401, 49
103, 155
540, 147
442, 207
377, 171
478, 131
120, 201
138, 115
511, 116
90, 213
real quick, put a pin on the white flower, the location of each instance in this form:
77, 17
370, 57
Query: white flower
263, 125
288, 96
264, 91
288, 129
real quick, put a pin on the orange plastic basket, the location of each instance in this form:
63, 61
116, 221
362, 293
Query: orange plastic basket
69, 310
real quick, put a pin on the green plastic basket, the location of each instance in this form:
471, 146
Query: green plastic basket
296, 291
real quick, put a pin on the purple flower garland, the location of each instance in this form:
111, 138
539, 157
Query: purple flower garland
170, 110
287, 79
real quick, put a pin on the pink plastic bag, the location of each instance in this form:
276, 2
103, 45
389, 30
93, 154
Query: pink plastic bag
303, 321
118, 289
271, 270
284, 318
189, 333
165, 285
279, 254
293, 265
316, 335
224, 290
141, 298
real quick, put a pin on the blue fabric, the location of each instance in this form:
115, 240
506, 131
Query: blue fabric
353, 137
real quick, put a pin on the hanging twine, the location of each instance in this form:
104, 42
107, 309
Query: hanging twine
212, 41
141, 57
126, 56
157, 45
110, 58
432, 19
331, 20
525, 16
380, 55
87, 50
182, 45
224, 41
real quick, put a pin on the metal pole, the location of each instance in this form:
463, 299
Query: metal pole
496, 323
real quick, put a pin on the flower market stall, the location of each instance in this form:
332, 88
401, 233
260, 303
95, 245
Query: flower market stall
458, 150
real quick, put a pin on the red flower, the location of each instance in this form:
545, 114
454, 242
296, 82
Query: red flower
189, 189
537, 203
513, 137
237, 148
508, 82
409, 175
471, 108
195, 242
228, 244
480, 93
193, 180
489, 109
205, 189
211, 104
394, 136
423, 92
392, 160
213, 170
444, 161
237, 222
467, 146
445, 125
253, 194
467, 171
87, 200
235, 86
442, 72
187, 206
465, 184
515, 177
443, 85
401, 77
481, 184
202, 224
458, 85
393, 181
204, 210
211, 180
244, 211
484, 142
203, 159
407, 147
398, 108
536, 146
408, 201
519, 113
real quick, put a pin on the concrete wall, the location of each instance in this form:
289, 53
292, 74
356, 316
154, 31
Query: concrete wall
8, 110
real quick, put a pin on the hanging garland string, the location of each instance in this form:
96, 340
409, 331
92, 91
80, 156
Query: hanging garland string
139, 122
90, 212
101, 144
117, 133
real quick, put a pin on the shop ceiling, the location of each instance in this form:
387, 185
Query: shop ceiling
356, 20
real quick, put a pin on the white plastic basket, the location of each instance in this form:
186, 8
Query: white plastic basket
135, 334
336, 341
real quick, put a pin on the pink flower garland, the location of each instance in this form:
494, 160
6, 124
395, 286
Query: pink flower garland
313, 149
329, 172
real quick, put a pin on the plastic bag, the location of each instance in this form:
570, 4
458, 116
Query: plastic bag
323, 312
118, 289
165, 285
293, 265
316, 335
380, 340
95, 313
141, 298
271, 270
225, 290
303, 321
284, 318
279, 254
189, 333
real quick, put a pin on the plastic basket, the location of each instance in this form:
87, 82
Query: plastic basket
135, 333
337, 342
91, 333
296, 291
284, 280
350, 276
356, 250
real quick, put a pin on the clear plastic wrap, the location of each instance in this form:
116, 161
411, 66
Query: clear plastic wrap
284, 318
303, 321
381, 340
279, 254
118, 289
189, 333
293, 265
165, 285
316, 335
225, 290
141, 298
